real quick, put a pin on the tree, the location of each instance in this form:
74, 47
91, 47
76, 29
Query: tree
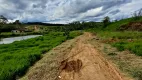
3, 19
76, 25
67, 32
137, 14
17, 22
106, 21
115, 20
0, 31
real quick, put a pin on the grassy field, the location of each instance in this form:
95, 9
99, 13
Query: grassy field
123, 40
10, 34
17, 57
114, 26
127, 40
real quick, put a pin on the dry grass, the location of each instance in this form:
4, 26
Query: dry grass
128, 63
50, 63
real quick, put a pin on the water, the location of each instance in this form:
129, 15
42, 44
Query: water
12, 39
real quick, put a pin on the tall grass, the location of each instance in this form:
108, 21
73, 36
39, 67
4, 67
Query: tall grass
123, 40
17, 57
10, 34
135, 47
127, 40
114, 26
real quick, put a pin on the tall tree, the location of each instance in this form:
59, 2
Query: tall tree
106, 21
17, 22
137, 14
3, 19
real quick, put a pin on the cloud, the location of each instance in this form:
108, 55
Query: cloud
65, 11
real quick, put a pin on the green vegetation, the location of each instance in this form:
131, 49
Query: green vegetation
114, 26
126, 40
10, 34
106, 21
17, 57
135, 47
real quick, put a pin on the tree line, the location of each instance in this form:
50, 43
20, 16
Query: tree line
77, 25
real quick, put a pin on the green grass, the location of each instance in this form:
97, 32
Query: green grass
74, 33
124, 43
121, 35
10, 34
116, 25
123, 40
112, 32
17, 57
135, 47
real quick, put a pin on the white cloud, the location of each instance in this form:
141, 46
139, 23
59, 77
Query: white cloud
64, 11
89, 13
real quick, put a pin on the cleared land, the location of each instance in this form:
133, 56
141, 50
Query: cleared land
75, 59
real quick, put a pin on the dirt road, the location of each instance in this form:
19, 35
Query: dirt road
74, 60
94, 65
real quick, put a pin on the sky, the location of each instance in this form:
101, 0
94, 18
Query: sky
66, 11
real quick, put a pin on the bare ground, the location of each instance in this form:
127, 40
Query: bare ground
75, 59
128, 63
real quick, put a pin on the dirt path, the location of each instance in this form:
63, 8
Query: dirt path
93, 65
74, 60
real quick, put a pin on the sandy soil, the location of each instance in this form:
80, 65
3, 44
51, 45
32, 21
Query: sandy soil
74, 60
94, 65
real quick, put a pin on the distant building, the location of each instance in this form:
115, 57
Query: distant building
18, 30
15, 31
21, 30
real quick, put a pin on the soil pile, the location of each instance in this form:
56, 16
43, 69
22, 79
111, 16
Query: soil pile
133, 26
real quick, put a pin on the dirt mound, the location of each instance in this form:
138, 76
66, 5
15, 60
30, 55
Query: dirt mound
74, 65
134, 26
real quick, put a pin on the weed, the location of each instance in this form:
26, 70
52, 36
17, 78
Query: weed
112, 54
137, 74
